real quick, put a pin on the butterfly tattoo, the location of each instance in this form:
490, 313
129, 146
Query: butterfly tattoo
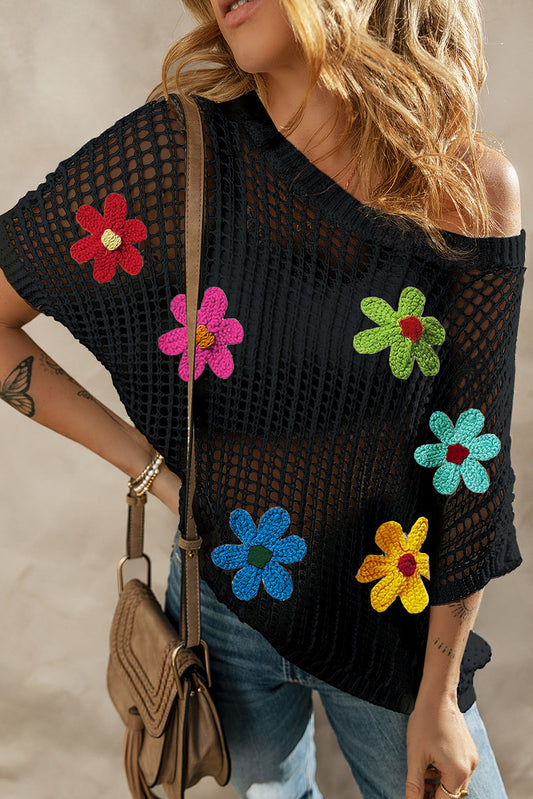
14, 390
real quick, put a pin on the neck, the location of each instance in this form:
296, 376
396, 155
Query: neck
317, 132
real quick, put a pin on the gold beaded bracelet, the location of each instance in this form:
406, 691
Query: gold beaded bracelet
142, 483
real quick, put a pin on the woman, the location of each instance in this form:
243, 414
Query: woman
304, 421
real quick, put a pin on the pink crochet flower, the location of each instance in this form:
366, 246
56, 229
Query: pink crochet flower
213, 334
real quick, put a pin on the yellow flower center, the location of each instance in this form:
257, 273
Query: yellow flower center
110, 240
204, 338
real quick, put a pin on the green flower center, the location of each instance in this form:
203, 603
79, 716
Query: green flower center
407, 564
204, 338
457, 454
412, 327
259, 556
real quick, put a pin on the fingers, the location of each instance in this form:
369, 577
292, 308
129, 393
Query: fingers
426, 784
431, 782
450, 780
415, 786
459, 793
422, 779
434, 781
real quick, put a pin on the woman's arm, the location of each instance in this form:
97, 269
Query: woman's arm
437, 732
32, 383
449, 626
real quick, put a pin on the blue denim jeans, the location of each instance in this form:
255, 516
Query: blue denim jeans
265, 705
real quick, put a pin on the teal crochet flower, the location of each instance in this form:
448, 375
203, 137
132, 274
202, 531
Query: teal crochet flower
261, 552
459, 453
407, 333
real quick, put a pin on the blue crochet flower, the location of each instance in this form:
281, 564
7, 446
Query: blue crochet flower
261, 552
459, 453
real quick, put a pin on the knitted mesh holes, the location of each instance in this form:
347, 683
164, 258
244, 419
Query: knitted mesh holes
111, 240
459, 453
213, 334
400, 569
261, 552
405, 331
292, 435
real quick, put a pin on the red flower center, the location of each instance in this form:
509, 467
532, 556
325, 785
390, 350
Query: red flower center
204, 339
407, 564
412, 327
457, 454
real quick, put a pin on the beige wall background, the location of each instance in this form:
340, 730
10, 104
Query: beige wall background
68, 70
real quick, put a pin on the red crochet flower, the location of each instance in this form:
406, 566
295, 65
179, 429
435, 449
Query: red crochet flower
111, 239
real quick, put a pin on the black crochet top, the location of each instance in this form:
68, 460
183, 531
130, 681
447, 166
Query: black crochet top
353, 388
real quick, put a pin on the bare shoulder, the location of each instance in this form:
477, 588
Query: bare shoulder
503, 192
503, 195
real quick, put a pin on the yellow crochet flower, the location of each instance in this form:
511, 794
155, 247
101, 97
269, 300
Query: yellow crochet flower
401, 567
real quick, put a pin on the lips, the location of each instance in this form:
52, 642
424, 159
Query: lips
225, 5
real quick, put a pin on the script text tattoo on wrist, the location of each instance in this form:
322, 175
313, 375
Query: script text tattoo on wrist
14, 389
442, 647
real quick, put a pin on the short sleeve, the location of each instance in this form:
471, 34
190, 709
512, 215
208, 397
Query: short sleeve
122, 195
474, 389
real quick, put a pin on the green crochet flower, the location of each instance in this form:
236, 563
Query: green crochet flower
407, 333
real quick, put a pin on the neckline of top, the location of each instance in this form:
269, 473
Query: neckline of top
338, 204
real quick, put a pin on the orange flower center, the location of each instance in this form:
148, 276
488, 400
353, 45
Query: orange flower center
110, 240
204, 338
412, 327
457, 454
407, 564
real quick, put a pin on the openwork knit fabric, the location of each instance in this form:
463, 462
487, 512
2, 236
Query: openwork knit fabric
296, 410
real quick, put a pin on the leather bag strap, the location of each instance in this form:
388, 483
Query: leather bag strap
135, 532
189, 541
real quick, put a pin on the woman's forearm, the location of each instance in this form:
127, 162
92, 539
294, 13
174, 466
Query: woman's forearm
33, 384
449, 627
439, 744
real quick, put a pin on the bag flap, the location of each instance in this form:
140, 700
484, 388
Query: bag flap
140, 668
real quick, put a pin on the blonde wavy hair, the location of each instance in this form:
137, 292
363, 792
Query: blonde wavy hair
407, 75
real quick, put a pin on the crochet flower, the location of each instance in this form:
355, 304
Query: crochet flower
111, 240
261, 552
405, 331
459, 453
213, 334
400, 569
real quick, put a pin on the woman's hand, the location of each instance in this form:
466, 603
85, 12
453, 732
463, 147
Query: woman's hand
437, 735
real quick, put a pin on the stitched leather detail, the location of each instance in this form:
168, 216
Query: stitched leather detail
139, 626
188, 545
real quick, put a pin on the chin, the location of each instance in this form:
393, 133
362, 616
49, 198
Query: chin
254, 61
249, 65
264, 51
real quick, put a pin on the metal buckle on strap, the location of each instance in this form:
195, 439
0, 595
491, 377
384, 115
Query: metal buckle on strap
179, 682
120, 568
